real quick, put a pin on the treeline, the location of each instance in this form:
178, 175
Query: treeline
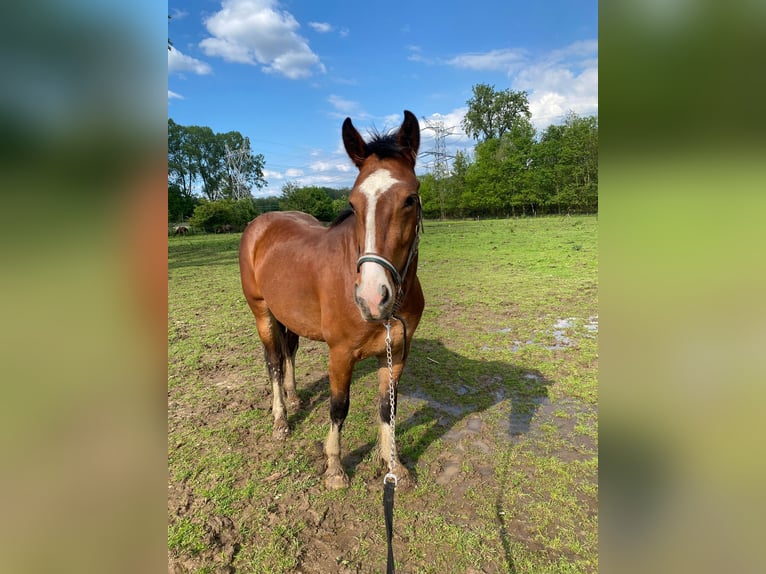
514, 170
209, 165
324, 203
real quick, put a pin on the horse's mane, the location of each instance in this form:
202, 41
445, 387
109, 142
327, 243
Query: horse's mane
385, 145
342, 216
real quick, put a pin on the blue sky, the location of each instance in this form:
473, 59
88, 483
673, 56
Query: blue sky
286, 73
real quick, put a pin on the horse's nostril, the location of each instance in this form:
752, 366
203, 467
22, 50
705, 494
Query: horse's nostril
384, 294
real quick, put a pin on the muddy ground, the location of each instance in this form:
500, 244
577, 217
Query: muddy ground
334, 534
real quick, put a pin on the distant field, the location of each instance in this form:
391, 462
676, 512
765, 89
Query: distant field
498, 417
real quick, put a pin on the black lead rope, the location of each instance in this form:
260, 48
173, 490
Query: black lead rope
388, 511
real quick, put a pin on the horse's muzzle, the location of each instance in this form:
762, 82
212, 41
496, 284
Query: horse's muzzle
375, 304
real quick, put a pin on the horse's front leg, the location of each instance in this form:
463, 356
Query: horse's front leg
386, 446
341, 368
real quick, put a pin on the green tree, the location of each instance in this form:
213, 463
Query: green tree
492, 113
457, 184
214, 216
311, 200
244, 171
197, 160
182, 170
180, 204
485, 186
429, 196
517, 166
547, 167
566, 160
207, 153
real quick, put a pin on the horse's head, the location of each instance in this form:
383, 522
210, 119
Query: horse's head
386, 203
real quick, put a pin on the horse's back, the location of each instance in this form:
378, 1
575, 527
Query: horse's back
278, 266
274, 228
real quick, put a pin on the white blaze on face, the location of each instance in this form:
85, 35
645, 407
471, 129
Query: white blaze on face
373, 276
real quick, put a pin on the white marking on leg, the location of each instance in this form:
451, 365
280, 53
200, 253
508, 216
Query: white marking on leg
332, 443
289, 380
384, 443
278, 400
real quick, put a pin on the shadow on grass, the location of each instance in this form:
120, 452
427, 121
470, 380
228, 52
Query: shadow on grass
440, 388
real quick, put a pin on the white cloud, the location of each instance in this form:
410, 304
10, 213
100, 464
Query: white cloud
293, 172
272, 175
324, 166
492, 60
259, 32
344, 107
172, 95
321, 27
179, 62
561, 80
564, 80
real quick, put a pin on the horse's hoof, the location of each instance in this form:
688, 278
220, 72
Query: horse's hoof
281, 430
336, 481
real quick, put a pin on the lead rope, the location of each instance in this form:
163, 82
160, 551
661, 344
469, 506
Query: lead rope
390, 480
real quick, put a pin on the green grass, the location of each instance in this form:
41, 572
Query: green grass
501, 387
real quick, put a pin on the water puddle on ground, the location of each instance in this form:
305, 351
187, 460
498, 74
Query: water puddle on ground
563, 331
418, 399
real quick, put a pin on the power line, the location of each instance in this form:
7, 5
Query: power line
440, 165
236, 165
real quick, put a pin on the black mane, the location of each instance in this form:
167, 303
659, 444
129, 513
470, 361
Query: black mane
342, 216
385, 145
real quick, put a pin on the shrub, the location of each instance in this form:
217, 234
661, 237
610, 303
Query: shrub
223, 215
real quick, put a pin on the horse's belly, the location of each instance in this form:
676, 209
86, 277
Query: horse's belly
291, 298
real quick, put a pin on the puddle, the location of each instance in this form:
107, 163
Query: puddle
561, 331
521, 416
419, 399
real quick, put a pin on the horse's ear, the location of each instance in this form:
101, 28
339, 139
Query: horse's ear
409, 134
354, 144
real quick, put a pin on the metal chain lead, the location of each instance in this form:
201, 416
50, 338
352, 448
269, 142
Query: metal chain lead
392, 402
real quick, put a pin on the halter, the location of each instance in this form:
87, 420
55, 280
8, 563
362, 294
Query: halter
390, 267
395, 275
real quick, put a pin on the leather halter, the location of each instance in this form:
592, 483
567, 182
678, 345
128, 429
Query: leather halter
398, 278
395, 275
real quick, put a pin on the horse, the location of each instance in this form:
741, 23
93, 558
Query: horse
342, 284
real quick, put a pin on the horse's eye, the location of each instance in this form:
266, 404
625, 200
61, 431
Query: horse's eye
411, 200
351, 207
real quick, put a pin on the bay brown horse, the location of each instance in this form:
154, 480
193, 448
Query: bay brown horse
341, 284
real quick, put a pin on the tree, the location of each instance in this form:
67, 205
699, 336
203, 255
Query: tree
243, 170
311, 200
214, 216
429, 196
180, 205
182, 170
567, 164
492, 113
198, 160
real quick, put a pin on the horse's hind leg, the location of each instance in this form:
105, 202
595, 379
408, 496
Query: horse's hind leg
272, 334
291, 348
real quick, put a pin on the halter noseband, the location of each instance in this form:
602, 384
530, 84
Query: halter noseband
389, 266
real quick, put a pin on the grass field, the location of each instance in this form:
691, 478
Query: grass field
497, 420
